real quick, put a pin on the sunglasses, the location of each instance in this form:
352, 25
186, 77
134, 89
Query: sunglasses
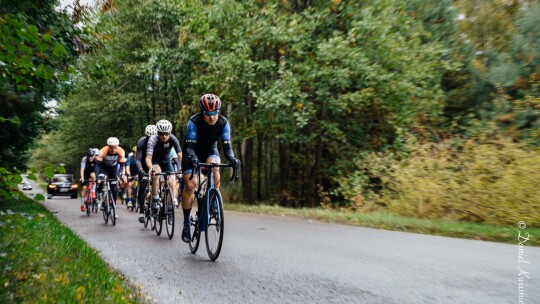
213, 113
163, 133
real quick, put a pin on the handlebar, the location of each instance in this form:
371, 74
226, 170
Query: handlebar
212, 166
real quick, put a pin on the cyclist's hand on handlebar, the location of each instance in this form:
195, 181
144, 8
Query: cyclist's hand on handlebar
235, 162
194, 160
101, 177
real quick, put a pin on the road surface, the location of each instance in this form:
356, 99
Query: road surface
274, 259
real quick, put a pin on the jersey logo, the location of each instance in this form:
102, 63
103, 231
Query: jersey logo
166, 145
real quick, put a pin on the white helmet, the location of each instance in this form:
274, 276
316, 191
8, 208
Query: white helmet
113, 141
164, 126
150, 130
130, 154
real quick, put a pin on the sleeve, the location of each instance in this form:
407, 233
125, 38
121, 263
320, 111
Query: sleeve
83, 163
191, 138
152, 141
138, 160
227, 145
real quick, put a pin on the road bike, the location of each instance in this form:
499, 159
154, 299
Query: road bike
90, 198
209, 217
164, 211
106, 200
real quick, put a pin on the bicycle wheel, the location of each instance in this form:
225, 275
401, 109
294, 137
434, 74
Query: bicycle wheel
112, 209
105, 211
214, 230
159, 218
169, 213
194, 232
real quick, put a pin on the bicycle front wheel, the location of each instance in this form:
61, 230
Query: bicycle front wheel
169, 214
105, 205
112, 209
214, 229
194, 233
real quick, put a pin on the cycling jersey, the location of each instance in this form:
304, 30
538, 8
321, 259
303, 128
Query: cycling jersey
131, 163
159, 150
201, 138
112, 159
88, 165
142, 144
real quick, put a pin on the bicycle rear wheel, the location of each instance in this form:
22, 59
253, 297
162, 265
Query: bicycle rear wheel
194, 233
214, 229
169, 213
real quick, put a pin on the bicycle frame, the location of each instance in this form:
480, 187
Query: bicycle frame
204, 200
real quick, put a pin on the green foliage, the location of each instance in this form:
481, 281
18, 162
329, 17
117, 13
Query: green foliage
490, 181
36, 53
43, 261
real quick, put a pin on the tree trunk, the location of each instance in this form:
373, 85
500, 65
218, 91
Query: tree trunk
259, 166
247, 169
283, 173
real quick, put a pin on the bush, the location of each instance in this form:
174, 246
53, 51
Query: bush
492, 182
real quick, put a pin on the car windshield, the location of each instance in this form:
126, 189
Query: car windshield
57, 179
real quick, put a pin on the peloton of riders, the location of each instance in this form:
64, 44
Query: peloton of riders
159, 150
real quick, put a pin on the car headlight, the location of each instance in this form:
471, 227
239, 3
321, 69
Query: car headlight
52, 186
74, 186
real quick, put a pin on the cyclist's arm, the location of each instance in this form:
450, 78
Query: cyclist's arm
191, 140
178, 149
83, 166
227, 145
139, 158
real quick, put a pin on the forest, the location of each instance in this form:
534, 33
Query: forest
423, 108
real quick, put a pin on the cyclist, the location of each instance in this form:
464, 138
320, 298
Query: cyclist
204, 129
111, 162
158, 155
88, 172
142, 144
131, 170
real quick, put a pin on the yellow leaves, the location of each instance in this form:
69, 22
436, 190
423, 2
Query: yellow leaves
281, 51
62, 279
299, 106
81, 292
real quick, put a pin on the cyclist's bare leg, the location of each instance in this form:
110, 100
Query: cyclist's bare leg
155, 184
189, 189
213, 160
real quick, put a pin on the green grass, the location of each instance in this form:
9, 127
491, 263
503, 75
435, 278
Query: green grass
508, 234
43, 261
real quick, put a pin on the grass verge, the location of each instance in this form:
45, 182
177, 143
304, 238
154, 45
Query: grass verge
508, 234
43, 261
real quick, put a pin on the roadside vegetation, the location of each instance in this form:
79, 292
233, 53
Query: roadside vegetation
387, 221
42, 261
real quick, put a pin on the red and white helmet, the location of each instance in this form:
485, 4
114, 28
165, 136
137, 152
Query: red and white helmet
209, 102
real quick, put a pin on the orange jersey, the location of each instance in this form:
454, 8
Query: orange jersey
112, 159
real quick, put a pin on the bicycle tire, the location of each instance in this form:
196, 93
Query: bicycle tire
216, 224
105, 209
159, 219
169, 213
194, 233
112, 209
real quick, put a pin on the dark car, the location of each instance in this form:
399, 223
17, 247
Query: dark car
62, 185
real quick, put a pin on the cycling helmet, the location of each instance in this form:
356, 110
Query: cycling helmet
91, 152
164, 126
150, 130
113, 141
134, 149
209, 102
96, 152
130, 154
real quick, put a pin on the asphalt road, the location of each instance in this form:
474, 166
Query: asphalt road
273, 259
